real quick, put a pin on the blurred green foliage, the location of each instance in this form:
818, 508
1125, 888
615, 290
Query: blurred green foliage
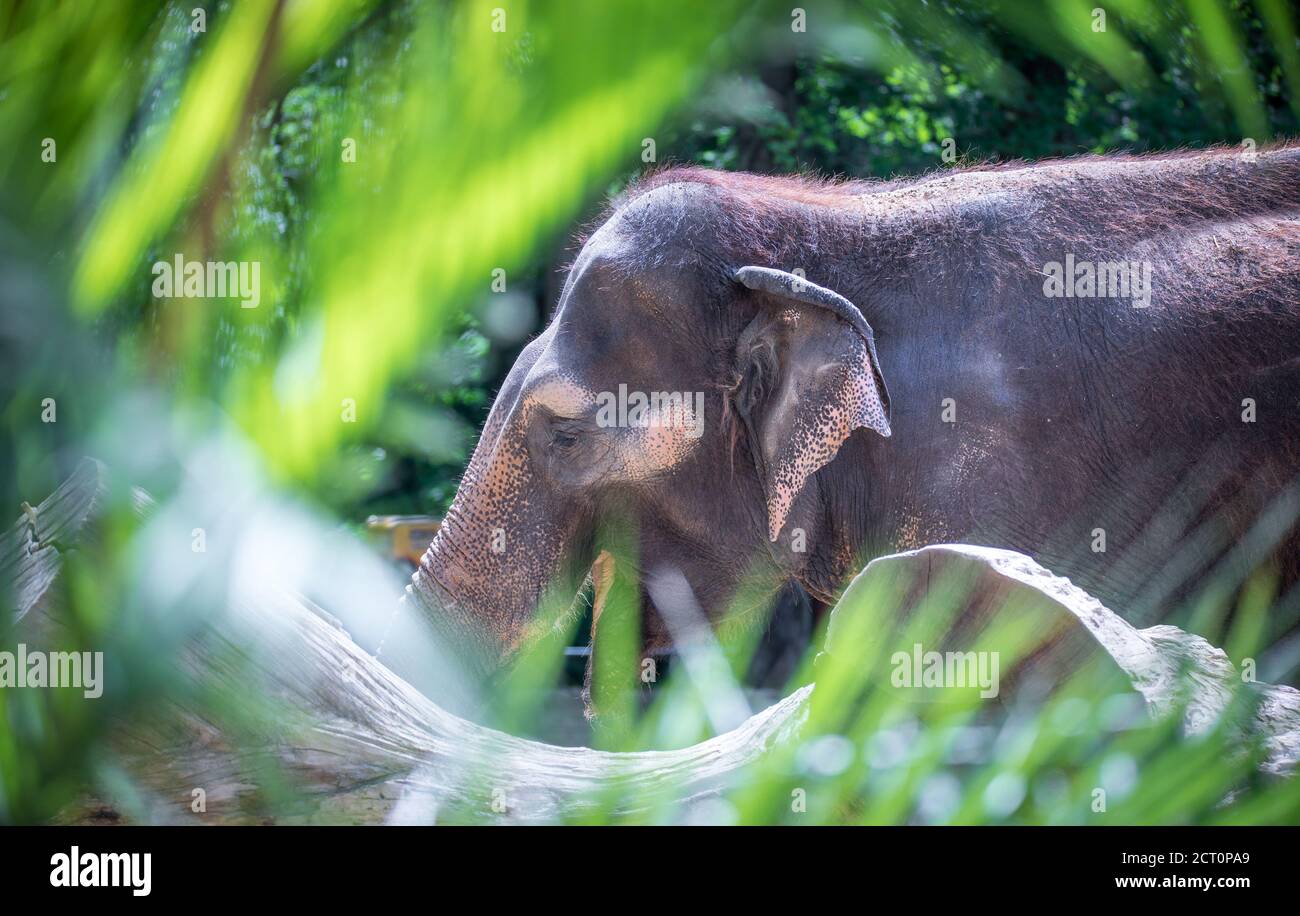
868, 90
476, 151
829, 113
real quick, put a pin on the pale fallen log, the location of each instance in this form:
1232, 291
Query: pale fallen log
362, 745
30, 549
1169, 667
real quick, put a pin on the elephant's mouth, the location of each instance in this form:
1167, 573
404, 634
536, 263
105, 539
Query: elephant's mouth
488, 639
456, 624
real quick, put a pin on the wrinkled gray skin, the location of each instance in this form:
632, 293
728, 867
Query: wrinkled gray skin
1067, 414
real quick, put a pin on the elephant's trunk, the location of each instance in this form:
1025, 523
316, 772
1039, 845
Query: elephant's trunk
495, 554
459, 626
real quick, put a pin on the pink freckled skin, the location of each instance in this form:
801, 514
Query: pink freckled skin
559, 393
654, 450
838, 401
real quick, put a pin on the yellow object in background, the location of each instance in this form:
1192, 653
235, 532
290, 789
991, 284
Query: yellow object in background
408, 535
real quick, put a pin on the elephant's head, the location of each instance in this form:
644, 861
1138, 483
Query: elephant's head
685, 379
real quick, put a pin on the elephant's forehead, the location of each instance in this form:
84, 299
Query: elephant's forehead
557, 389
582, 358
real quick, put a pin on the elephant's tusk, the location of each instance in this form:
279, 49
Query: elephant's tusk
602, 580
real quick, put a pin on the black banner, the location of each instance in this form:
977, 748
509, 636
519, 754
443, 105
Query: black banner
304, 864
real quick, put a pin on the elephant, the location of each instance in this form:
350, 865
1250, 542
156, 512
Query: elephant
1092, 360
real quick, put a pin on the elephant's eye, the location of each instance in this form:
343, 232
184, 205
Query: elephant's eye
562, 439
564, 435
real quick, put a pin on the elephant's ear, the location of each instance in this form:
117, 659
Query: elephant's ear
809, 377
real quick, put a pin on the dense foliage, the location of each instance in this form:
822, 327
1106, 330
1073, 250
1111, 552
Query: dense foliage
128, 136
